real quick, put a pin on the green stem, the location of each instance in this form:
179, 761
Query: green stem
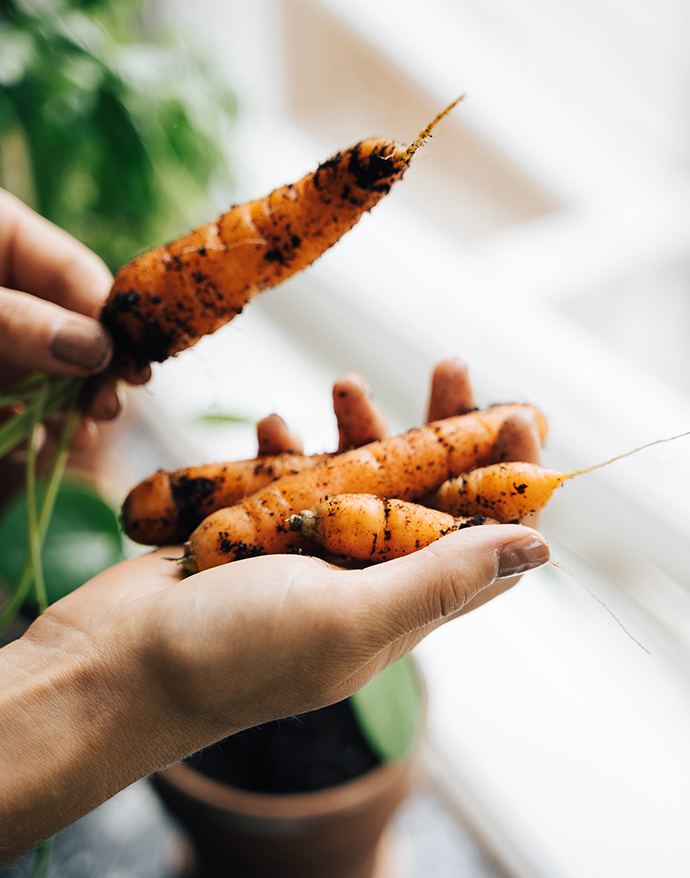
60, 391
16, 428
57, 467
34, 537
16, 391
20, 595
55, 474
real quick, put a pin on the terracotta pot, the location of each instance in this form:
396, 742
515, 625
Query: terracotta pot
338, 832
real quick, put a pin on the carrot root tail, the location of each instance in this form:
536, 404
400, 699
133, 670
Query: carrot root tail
424, 135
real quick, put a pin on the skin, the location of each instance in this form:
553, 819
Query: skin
141, 667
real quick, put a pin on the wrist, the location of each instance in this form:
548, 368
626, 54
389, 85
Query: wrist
75, 723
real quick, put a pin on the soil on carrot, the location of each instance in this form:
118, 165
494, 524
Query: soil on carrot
302, 754
189, 496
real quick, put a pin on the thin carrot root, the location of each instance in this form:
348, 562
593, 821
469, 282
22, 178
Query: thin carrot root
599, 600
512, 490
425, 134
651, 444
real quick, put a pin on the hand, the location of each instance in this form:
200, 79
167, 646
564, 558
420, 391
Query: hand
51, 292
141, 667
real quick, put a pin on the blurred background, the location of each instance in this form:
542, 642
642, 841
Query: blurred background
542, 234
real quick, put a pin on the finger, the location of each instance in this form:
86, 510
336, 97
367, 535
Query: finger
360, 420
518, 440
39, 258
275, 438
106, 403
35, 334
451, 391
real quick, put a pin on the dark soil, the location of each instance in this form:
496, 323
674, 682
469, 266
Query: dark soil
301, 754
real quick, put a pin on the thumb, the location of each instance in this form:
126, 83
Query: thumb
415, 594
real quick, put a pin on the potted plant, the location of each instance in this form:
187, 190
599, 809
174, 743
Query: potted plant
307, 796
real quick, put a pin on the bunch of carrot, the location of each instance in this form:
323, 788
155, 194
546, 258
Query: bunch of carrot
364, 503
372, 503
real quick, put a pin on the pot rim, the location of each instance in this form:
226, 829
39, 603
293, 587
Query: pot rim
342, 797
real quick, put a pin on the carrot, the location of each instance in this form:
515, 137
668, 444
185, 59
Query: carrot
370, 528
166, 507
166, 299
506, 491
407, 467
510, 491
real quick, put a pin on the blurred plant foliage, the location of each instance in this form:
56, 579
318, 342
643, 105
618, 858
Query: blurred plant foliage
112, 137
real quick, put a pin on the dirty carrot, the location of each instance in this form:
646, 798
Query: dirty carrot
407, 467
510, 491
166, 299
166, 507
370, 528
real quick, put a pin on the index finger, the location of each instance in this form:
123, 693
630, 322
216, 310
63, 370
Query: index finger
38, 258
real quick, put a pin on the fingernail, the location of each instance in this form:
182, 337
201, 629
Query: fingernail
521, 555
81, 344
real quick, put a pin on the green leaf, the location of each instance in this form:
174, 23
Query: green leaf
16, 51
83, 538
121, 137
390, 710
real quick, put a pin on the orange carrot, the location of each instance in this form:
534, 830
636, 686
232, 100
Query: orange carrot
166, 507
407, 467
168, 298
510, 491
506, 491
370, 528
